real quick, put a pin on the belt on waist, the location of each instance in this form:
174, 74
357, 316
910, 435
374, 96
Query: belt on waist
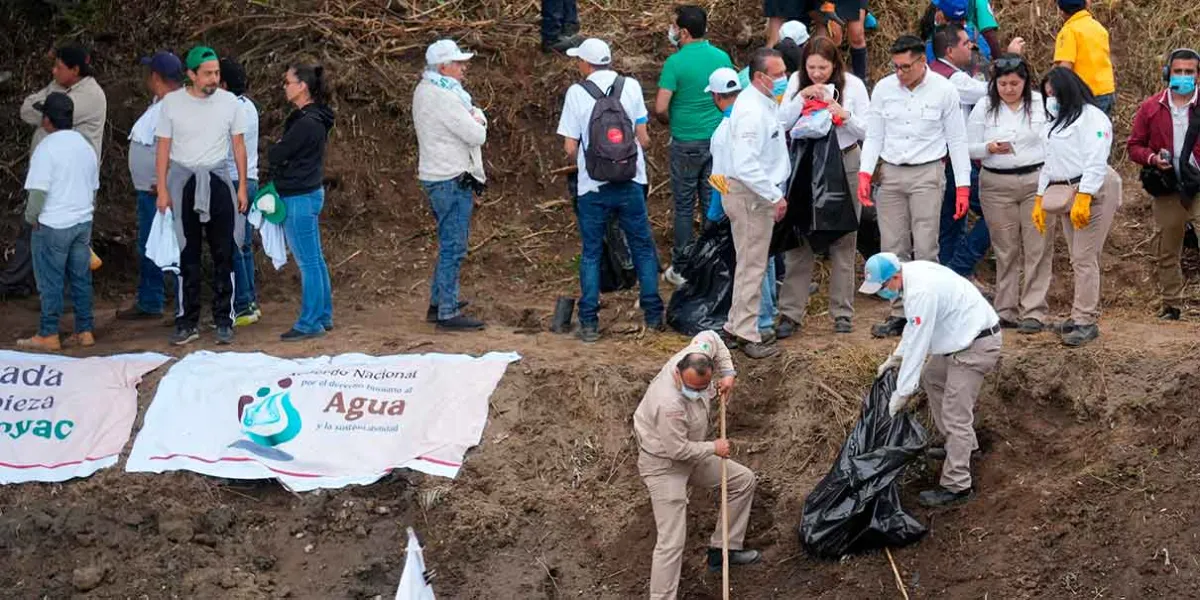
928, 162
1071, 181
993, 330
1027, 169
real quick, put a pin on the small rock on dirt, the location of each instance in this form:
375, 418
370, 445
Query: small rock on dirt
218, 520
179, 531
88, 578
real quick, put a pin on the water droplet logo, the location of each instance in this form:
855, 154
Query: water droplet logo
268, 420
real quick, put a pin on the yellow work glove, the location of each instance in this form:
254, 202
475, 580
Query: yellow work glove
94, 262
719, 183
1039, 215
1081, 211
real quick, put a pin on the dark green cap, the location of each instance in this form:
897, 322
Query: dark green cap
198, 56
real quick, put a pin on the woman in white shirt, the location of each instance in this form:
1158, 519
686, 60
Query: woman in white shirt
1004, 132
1076, 182
824, 77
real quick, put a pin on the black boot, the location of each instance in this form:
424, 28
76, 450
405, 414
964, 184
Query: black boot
941, 497
892, 327
736, 558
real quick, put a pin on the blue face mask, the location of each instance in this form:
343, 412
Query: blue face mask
728, 111
779, 87
1183, 84
888, 294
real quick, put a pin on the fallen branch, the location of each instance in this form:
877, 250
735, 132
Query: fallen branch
896, 572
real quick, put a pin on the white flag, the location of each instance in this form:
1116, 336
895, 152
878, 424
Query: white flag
412, 581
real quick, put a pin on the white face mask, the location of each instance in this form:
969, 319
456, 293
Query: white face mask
691, 394
673, 35
1052, 105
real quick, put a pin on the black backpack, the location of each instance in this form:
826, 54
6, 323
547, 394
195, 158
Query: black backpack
611, 154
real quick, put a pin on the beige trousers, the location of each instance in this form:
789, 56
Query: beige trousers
1007, 202
952, 384
909, 205
1086, 245
799, 262
752, 220
1171, 218
669, 498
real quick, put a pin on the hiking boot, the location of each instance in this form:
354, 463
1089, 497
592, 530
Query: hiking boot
787, 328
758, 350
225, 335
736, 558
570, 29
939, 453
892, 327
1064, 328
843, 325
184, 336
673, 277
1081, 335
49, 343
658, 326
562, 44
295, 335
249, 316
1169, 313
328, 328
1030, 326
1006, 324
589, 334
430, 315
768, 335
731, 341
84, 339
942, 497
460, 323
135, 313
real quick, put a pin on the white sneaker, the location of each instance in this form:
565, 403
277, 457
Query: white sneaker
673, 278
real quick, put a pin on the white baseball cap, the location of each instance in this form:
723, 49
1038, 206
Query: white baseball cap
445, 51
794, 30
593, 51
723, 81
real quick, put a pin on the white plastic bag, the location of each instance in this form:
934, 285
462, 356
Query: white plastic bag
812, 126
162, 247
274, 241
412, 582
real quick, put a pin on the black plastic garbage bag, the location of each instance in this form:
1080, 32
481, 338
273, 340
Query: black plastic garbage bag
856, 507
703, 302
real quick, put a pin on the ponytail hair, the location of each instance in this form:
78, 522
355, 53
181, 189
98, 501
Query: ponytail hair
313, 77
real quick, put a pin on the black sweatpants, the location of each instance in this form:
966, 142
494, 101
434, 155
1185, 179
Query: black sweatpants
219, 232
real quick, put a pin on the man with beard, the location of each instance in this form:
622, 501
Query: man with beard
195, 129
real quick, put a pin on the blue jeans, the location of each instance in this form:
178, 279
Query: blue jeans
302, 230
691, 164
628, 201
1105, 103
244, 293
452, 205
555, 15
60, 255
766, 306
960, 249
150, 294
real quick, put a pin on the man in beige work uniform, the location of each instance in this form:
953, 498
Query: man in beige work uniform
671, 424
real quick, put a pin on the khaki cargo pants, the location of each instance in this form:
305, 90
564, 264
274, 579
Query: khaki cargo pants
668, 481
952, 384
751, 220
1007, 201
1171, 219
1086, 245
909, 205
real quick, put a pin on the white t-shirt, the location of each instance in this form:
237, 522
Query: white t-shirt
577, 112
250, 113
64, 166
201, 129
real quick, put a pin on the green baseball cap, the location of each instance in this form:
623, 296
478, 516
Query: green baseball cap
198, 56
268, 202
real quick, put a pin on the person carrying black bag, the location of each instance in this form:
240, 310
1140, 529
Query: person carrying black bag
1163, 141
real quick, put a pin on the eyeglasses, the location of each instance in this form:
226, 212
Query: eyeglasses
899, 68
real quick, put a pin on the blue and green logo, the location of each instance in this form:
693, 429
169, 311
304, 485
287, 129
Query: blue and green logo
268, 420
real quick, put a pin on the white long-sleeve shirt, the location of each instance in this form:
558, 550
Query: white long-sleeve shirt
914, 127
1078, 150
854, 99
1023, 130
720, 149
758, 145
945, 314
449, 139
970, 90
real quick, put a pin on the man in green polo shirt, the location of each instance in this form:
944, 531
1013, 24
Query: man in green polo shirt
683, 103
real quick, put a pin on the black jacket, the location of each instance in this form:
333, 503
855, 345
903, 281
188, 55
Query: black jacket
297, 160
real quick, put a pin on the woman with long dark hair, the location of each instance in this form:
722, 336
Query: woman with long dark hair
1077, 184
823, 76
1004, 131
297, 163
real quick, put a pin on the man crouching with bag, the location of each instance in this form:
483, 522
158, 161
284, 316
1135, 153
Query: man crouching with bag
671, 424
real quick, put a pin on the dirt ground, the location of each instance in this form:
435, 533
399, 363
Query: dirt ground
1086, 486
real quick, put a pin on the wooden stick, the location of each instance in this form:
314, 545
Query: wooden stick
724, 511
896, 572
